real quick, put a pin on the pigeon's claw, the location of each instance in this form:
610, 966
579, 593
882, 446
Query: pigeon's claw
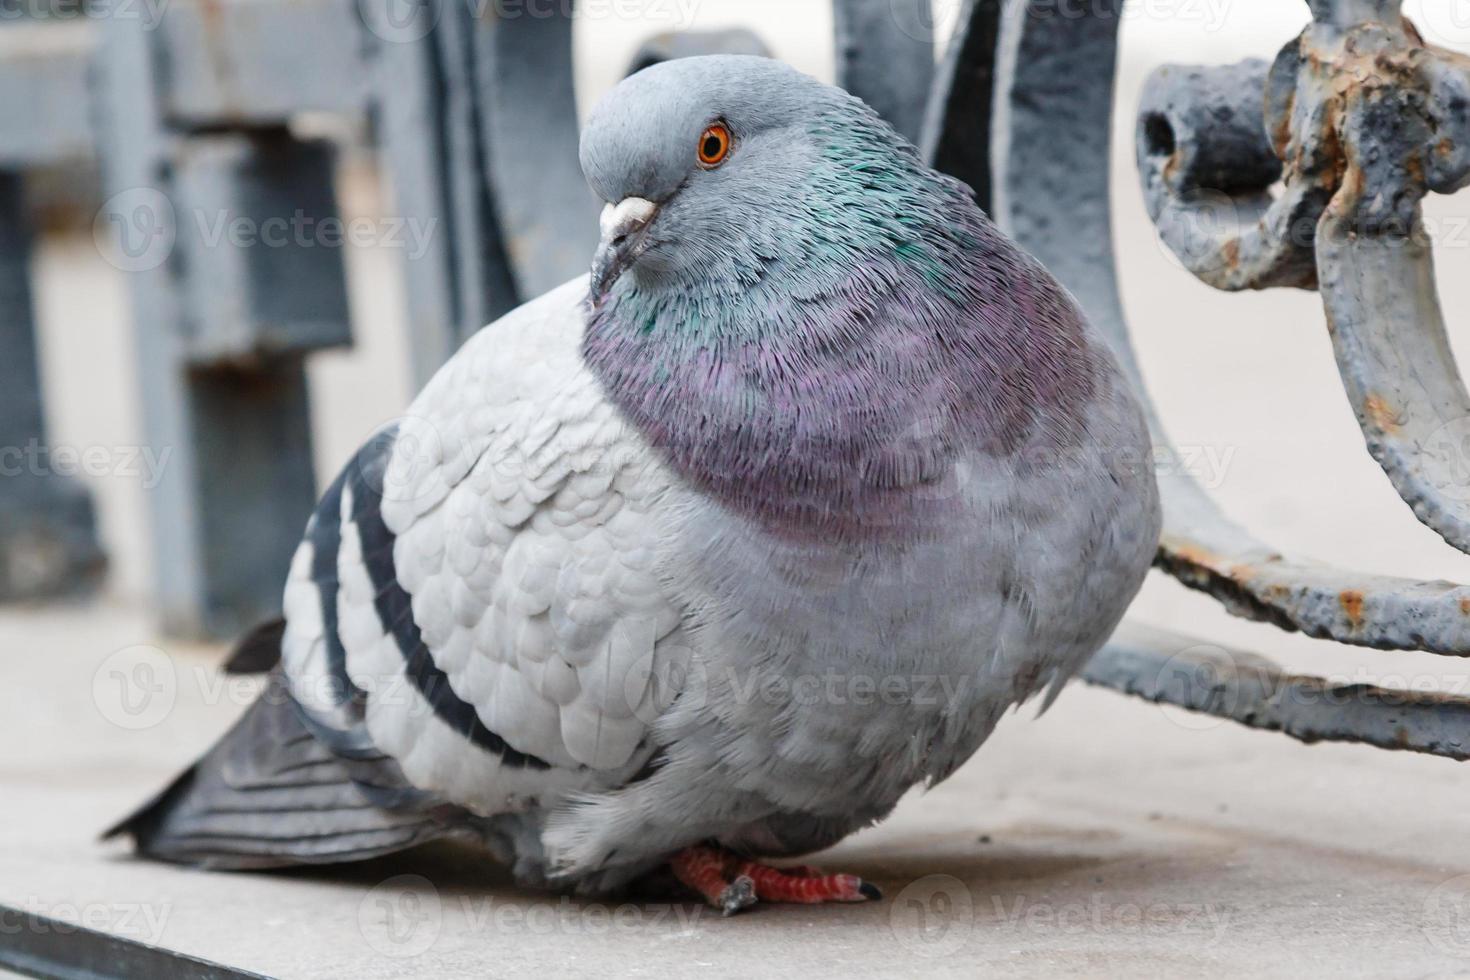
707, 871
730, 883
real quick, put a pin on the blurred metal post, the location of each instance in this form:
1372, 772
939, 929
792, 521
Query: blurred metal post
222, 323
48, 537
479, 136
885, 56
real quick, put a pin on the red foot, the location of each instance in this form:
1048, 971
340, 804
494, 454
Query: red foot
730, 883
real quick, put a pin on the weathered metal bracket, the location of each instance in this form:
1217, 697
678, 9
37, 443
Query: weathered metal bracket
1359, 119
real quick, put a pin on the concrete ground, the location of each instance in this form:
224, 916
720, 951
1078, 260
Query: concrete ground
1108, 838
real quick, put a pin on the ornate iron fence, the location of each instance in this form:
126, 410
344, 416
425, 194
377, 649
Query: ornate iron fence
1307, 172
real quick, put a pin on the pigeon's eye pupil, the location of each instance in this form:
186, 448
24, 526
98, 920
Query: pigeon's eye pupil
714, 146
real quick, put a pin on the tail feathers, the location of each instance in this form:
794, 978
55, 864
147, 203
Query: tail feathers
270, 795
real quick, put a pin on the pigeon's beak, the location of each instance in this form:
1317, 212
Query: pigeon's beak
623, 239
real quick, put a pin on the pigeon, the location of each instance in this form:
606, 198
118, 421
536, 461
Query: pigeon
700, 561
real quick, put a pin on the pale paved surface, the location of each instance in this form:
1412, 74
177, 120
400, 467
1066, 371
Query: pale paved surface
1120, 843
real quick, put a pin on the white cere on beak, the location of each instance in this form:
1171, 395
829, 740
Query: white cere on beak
621, 242
629, 214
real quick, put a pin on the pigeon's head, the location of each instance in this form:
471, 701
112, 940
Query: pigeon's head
804, 319
709, 167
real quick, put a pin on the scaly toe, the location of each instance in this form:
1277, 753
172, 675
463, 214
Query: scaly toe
805, 888
739, 894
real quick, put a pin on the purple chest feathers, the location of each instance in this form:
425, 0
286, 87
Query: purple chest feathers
844, 416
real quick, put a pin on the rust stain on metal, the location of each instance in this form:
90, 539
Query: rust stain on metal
1352, 604
1171, 167
1243, 573
1414, 168
216, 22
1193, 554
1231, 252
1281, 134
1383, 415
1465, 606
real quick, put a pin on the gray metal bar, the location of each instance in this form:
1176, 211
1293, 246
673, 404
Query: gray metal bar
1402, 130
412, 141
223, 388
434, 144
529, 147
480, 137
1396, 364
279, 289
1172, 668
885, 56
40, 946
132, 144
484, 282
256, 487
259, 62
48, 535
959, 128
43, 75
20, 402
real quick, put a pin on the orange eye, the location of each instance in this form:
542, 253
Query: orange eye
714, 145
